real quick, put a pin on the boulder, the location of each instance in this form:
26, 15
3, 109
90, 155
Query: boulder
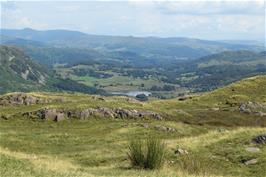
54, 114
252, 149
60, 114
253, 108
106, 112
21, 99
87, 113
260, 139
251, 162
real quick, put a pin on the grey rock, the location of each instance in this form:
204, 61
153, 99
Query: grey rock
163, 128
251, 162
87, 113
53, 114
21, 99
253, 108
252, 149
260, 139
60, 114
181, 151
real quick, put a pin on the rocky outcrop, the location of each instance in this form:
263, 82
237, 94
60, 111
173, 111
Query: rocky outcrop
253, 108
61, 114
260, 139
21, 99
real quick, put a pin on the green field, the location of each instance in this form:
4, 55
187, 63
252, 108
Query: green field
216, 139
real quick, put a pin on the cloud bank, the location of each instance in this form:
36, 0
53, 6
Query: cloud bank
201, 19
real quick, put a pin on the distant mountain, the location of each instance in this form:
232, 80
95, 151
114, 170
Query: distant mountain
19, 73
149, 47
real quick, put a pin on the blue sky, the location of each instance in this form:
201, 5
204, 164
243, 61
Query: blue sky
243, 20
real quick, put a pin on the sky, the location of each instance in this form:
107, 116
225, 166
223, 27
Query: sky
213, 20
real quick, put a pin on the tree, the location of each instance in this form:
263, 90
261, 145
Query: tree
142, 97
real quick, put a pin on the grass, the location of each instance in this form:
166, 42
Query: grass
216, 141
99, 148
148, 154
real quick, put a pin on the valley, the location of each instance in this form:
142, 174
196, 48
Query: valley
133, 88
106, 64
69, 107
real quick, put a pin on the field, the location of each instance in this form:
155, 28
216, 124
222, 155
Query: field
117, 82
209, 127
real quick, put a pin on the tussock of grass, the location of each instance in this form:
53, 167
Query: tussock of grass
148, 155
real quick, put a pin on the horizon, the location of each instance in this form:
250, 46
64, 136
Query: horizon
207, 20
161, 37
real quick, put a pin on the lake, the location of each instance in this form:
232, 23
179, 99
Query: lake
131, 93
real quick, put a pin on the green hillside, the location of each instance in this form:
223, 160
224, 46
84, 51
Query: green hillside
18, 72
89, 134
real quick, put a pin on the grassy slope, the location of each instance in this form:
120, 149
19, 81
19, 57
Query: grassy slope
97, 147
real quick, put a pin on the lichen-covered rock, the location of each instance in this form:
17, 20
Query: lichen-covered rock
253, 108
260, 139
87, 113
53, 114
60, 114
21, 99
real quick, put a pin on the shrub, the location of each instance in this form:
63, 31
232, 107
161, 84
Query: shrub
136, 154
155, 153
147, 154
142, 97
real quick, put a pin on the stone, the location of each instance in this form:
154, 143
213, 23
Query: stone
181, 151
252, 149
260, 113
251, 162
253, 108
60, 114
260, 139
20, 99
163, 128
48, 114
106, 112
87, 113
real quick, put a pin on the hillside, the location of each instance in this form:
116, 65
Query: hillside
165, 67
89, 134
223, 68
18, 72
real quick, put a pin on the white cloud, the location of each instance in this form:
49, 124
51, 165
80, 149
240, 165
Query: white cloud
182, 18
212, 7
